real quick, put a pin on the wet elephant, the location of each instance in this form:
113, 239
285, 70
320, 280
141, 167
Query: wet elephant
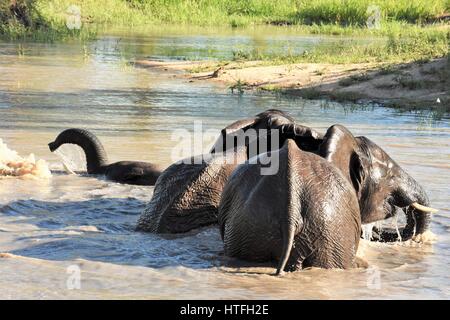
127, 172
187, 195
384, 189
310, 212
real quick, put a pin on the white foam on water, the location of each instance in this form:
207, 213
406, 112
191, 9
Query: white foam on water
427, 237
13, 165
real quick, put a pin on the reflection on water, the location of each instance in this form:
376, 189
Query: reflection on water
193, 43
48, 225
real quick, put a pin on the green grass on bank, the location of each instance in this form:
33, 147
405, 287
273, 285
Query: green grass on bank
322, 16
406, 25
358, 12
398, 47
25, 19
247, 12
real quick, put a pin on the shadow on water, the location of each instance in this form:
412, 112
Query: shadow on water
103, 230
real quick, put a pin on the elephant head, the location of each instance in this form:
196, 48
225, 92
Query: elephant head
240, 134
381, 185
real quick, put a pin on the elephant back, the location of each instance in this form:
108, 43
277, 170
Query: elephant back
306, 214
187, 194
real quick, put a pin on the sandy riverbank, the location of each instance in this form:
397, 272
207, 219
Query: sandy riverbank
411, 85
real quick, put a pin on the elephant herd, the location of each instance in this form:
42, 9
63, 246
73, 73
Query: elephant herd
305, 212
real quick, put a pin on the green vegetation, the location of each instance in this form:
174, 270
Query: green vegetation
403, 31
359, 12
399, 46
404, 34
47, 18
246, 12
313, 93
239, 86
25, 19
408, 82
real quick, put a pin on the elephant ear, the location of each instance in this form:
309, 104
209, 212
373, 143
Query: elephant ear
356, 169
268, 119
306, 138
232, 131
341, 148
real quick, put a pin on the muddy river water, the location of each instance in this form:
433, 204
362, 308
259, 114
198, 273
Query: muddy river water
72, 236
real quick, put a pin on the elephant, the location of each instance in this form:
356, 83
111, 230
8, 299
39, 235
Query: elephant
309, 213
187, 194
383, 188
271, 119
302, 216
127, 172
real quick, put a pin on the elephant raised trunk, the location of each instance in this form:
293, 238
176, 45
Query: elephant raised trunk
96, 157
129, 172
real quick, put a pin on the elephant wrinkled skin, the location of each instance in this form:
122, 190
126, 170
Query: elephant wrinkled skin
307, 213
187, 195
383, 188
303, 216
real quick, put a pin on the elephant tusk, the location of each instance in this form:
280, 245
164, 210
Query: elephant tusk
423, 208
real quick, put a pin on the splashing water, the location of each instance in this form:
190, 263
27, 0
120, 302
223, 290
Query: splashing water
395, 224
427, 237
367, 231
49, 225
72, 158
13, 165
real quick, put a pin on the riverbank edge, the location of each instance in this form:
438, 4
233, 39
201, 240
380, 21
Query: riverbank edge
412, 85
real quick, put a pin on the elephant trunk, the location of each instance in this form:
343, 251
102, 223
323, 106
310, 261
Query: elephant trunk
95, 153
418, 220
417, 223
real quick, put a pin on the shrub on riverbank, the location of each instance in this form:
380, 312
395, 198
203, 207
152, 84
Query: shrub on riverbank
17, 16
24, 19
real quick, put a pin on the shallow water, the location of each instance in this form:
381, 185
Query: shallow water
49, 225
